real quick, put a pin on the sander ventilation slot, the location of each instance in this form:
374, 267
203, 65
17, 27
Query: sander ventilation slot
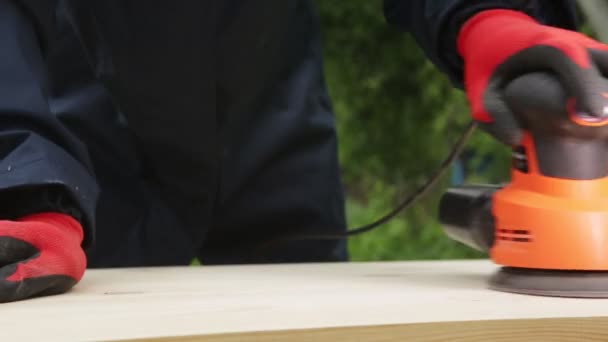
515, 235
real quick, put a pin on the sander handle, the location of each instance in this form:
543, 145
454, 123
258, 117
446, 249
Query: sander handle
566, 144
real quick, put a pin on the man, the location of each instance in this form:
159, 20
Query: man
139, 133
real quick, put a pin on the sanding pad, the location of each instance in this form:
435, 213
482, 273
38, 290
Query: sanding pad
554, 283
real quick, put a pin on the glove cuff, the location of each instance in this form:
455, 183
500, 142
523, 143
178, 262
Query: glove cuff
485, 22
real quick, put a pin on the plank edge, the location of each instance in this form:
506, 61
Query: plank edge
539, 329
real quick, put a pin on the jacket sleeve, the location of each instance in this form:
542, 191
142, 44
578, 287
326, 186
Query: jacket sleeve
434, 24
43, 167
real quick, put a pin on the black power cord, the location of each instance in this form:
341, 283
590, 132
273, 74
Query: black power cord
406, 203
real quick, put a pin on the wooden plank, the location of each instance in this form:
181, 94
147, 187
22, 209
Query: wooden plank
391, 301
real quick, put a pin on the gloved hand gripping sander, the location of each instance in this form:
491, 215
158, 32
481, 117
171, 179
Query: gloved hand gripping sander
548, 227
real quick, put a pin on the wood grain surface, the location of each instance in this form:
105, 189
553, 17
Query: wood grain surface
391, 301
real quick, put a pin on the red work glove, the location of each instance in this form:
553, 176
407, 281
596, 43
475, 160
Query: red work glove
40, 255
500, 45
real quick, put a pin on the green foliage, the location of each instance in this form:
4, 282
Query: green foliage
398, 118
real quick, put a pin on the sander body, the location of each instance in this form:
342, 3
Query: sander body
548, 226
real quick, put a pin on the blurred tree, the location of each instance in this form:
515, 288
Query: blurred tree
398, 118
595, 13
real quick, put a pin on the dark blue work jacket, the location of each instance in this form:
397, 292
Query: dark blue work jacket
189, 113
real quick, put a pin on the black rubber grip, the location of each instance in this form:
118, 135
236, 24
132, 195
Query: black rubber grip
564, 148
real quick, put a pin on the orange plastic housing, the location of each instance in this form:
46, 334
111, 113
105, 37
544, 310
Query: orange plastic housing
551, 223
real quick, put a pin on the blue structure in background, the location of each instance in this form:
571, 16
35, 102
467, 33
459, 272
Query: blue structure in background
460, 170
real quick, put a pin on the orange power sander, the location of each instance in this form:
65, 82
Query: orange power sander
548, 227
